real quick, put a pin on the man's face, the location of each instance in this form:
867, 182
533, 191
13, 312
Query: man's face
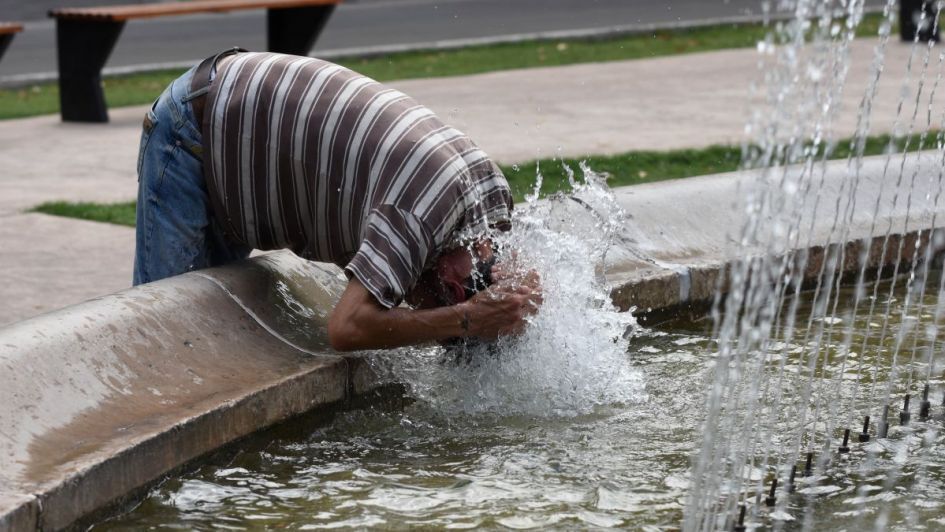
450, 281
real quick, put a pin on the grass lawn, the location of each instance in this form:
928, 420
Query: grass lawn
629, 168
638, 167
143, 88
116, 213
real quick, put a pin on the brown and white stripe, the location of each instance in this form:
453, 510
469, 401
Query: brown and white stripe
307, 155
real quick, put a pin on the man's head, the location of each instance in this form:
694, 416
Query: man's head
456, 275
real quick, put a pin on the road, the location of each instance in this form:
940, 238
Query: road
355, 25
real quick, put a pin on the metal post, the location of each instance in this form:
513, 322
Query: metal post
294, 30
83, 48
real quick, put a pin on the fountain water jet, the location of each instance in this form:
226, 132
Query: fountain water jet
749, 426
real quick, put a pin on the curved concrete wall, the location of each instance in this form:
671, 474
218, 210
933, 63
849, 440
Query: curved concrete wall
682, 234
103, 398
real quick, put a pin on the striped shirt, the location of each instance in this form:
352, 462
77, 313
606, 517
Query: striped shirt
306, 155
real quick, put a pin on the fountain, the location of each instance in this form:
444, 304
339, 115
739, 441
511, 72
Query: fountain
813, 403
810, 397
786, 394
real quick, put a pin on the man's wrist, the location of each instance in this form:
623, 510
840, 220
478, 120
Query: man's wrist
462, 315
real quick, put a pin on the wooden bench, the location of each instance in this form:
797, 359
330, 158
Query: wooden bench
86, 36
7, 31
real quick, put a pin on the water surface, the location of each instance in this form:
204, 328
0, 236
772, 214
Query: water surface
620, 465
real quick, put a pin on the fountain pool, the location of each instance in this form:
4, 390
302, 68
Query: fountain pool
626, 465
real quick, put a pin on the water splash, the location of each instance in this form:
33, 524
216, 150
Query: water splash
572, 356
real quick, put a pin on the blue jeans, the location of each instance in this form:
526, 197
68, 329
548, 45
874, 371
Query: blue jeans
176, 231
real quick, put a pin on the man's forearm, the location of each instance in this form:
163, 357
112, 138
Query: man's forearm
400, 327
359, 322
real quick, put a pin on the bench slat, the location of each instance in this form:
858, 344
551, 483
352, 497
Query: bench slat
10, 27
122, 13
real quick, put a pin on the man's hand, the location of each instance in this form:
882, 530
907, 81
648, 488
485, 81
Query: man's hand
360, 322
502, 308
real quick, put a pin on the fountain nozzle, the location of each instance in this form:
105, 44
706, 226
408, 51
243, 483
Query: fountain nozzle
844, 448
905, 415
865, 435
740, 525
882, 430
925, 408
770, 500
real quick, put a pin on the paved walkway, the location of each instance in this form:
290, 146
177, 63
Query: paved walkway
597, 108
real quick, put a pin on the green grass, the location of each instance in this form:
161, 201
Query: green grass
631, 168
144, 88
116, 213
638, 167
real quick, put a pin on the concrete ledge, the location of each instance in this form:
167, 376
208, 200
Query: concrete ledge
105, 397
681, 238
18, 512
668, 294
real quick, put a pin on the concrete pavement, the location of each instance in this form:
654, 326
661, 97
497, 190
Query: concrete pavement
666, 103
49, 262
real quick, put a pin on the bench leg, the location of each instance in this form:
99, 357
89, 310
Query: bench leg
83, 48
294, 30
5, 43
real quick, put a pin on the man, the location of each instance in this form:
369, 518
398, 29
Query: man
270, 151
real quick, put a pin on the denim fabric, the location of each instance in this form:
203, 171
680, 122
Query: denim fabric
176, 232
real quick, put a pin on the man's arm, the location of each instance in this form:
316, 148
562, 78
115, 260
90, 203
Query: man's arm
360, 322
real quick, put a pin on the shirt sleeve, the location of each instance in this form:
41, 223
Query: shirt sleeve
395, 248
